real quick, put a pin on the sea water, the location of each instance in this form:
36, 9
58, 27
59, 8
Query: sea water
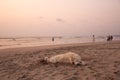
40, 41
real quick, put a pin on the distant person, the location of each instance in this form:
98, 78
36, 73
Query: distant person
111, 38
52, 39
93, 38
108, 38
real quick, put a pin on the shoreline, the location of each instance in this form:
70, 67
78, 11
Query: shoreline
10, 47
57, 45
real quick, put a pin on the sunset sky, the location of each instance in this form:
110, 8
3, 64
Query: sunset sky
59, 17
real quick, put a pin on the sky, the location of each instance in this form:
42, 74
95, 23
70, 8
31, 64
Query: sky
59, 17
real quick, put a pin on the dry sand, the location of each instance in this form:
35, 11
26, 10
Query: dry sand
103, 62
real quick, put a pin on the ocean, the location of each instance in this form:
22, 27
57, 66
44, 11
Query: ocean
40, 41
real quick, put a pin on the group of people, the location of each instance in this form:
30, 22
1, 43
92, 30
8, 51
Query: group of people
109, 38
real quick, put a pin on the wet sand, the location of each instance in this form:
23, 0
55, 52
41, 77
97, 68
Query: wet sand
103, 62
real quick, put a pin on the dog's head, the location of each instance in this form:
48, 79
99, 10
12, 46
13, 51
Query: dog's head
44, 60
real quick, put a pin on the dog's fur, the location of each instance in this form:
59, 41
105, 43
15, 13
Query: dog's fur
69, 57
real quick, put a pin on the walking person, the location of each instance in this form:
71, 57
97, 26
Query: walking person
108, 38
93, 38
52, 39
111, 38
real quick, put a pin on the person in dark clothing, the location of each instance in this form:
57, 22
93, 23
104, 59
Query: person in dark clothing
53, 39
111, 38
108, 38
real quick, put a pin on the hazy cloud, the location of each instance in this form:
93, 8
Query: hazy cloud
41, 17
59, 20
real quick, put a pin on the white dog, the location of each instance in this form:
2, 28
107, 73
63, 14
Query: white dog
68, 57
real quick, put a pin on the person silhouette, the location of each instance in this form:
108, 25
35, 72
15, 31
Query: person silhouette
52, 39
93, 38
111, 38
108, 38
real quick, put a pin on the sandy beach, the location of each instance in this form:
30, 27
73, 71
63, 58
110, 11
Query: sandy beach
103, 62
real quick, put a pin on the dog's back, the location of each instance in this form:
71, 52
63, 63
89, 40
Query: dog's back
68, 57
